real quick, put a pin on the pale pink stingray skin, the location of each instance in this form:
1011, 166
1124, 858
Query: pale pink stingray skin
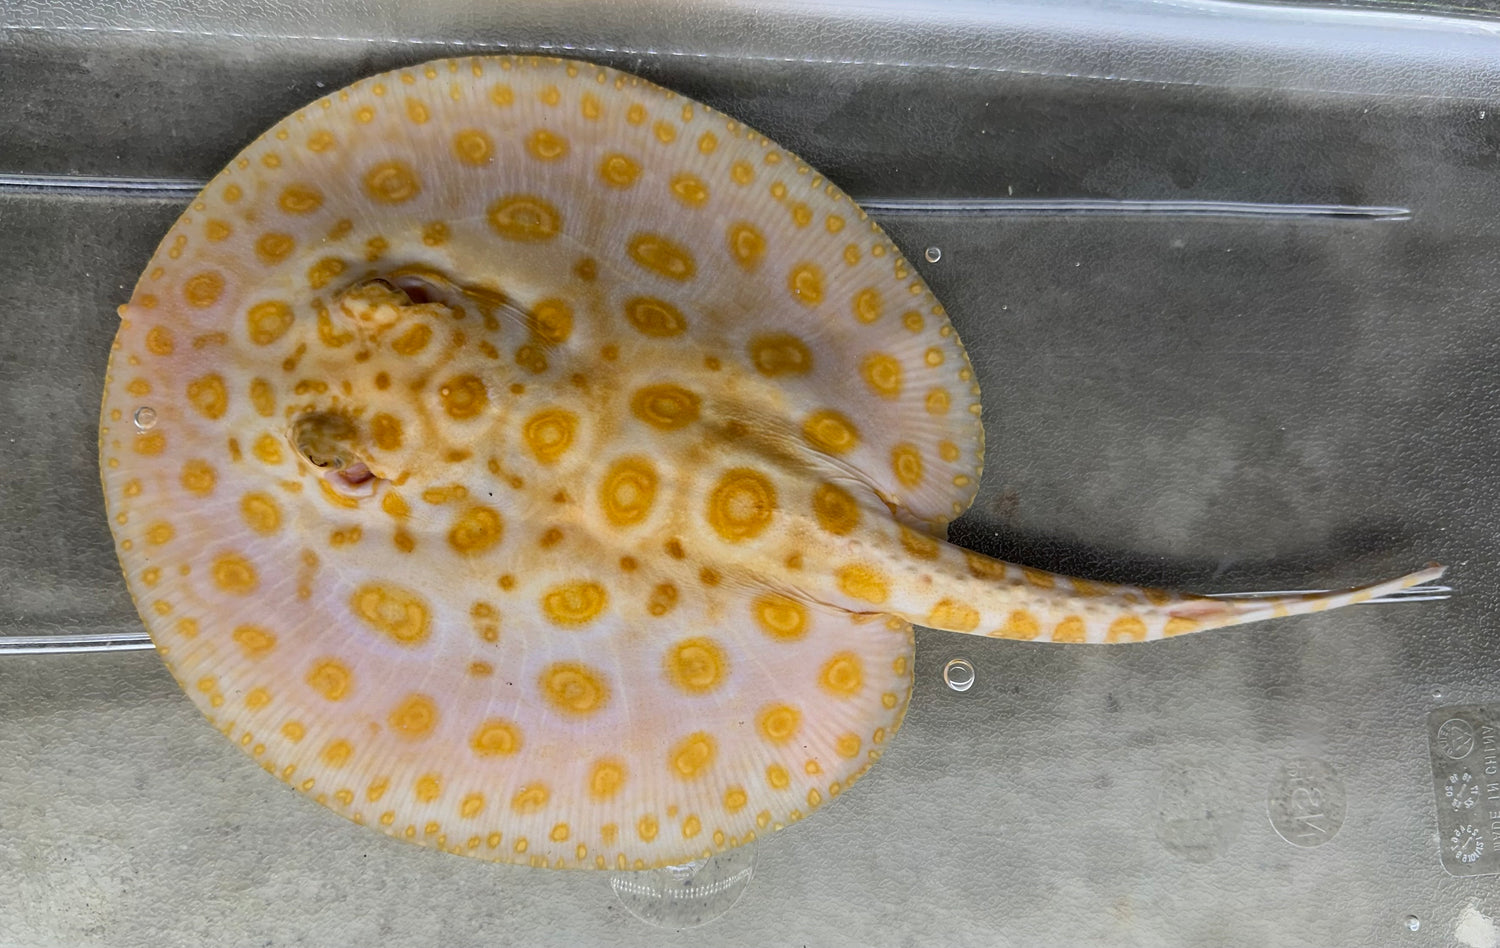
548, 468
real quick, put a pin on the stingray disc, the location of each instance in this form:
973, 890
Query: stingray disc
463, 440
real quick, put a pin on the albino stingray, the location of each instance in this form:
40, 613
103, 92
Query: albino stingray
530, 462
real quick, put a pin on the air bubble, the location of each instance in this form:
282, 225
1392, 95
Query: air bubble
689, 895
1413, 923
959, 674
145, 418
933, 254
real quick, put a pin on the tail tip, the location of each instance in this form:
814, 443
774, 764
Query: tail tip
1432, 571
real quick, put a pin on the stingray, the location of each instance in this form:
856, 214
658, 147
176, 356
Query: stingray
529, 462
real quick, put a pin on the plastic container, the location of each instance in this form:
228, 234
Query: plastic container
1229, 277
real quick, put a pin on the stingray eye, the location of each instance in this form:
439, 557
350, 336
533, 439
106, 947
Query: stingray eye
377, 284
323, 439
327, 441
375, 302
418, 289
384, 300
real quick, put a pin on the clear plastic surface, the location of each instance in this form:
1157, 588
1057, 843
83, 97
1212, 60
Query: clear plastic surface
1228, 275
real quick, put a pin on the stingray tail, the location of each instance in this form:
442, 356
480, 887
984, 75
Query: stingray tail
942, 586
1003, 600
1218, 612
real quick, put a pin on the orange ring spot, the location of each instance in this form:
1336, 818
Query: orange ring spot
415, 716
393, 611
780, 617
627, 491
697, 665
654, 317
473, 147
524, 219
778, 723
842, 675
575, 603
693, 755
574, 688
663, 256
666, 406
741, 505
830, 432
392, 182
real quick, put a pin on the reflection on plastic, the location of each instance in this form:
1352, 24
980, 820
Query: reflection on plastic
1110, 207
959, 674
690, 895
186, 189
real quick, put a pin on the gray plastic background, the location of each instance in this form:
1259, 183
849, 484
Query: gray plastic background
1221, 402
